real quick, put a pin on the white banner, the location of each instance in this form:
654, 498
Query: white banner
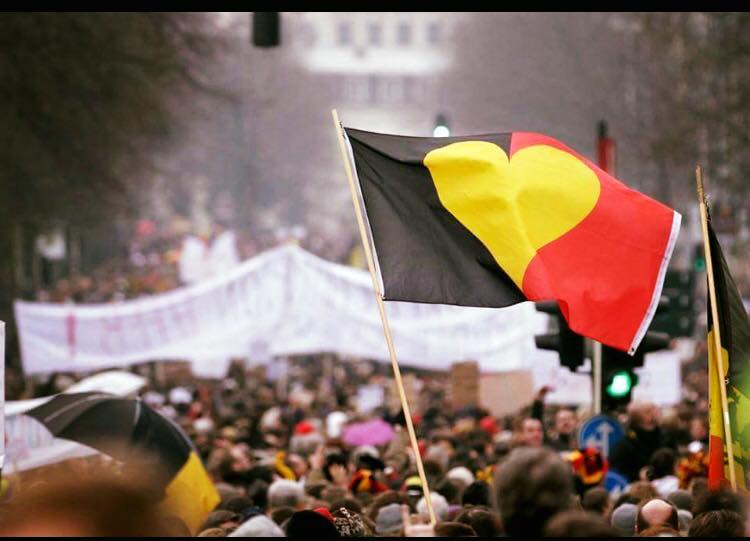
284, 301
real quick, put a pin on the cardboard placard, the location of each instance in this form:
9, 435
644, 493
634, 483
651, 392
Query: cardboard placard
465, 384
503, 393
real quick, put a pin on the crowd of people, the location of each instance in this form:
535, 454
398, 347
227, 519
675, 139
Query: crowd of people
152, 262
276, 448
278, 453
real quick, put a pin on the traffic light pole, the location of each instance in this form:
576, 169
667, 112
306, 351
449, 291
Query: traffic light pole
596, 376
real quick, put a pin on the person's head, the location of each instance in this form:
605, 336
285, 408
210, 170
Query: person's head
237, 504
657, 512
698, 428
454, 529
565, 421
662, 463
281, 514
682, 499
258, 526
335, 468
532, 485
439, 506
386, 498
643, 416
722, 523
100, 505
222, 518
213, 532
718, 500
643, 491
659, 530
333, 493
698, 487
310, 525
484, 522
625, 497
596, 500
257, 492
450, 490
446, 443
578, 524
286, 493
530, 432
389, 521
461, 476
477, 493
348, 523
350, 504
297, 464
623, 519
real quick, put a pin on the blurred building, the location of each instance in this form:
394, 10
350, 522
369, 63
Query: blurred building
274, 148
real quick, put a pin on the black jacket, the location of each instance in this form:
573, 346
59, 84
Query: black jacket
634, 452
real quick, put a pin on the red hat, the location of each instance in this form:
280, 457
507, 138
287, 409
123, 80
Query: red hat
325, 512
303, 427
489, 425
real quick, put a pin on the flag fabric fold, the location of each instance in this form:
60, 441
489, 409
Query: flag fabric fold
493, 220
734, 332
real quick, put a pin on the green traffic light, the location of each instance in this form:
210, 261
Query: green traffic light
699, 265
621, 384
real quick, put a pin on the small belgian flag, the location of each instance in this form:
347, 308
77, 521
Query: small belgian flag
734, 332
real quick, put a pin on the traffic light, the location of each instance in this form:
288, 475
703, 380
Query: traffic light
266, 29
568, 344
678, 317
618, 369
441, 127
699, 259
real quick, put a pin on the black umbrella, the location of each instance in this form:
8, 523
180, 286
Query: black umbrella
116, 426
126, 428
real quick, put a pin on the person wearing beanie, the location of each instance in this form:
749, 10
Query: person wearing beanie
348, 523
388, 521
439, 505
623, 519
310, 525
461, 475
682, 499
258, 526
285, 493
303, 427
324, 512
413, 488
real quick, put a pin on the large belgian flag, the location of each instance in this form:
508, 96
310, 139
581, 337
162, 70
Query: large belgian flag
492, 220
734, 331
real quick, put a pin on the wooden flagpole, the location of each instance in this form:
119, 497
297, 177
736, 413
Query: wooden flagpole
383, 315
716, 328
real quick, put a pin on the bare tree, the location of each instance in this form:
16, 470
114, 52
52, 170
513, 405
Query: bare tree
88, 103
